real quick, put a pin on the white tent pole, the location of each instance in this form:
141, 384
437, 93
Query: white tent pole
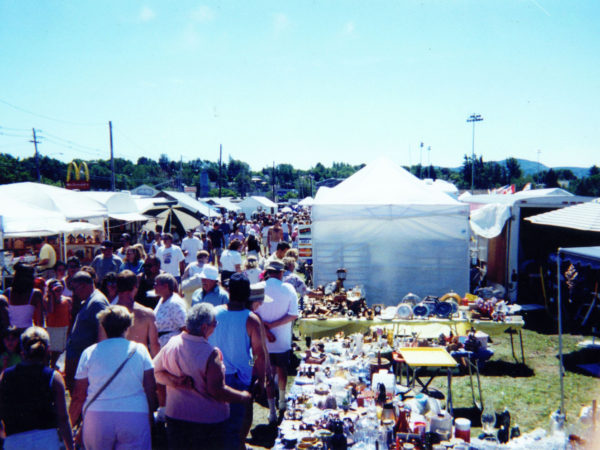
560, 346
64, 246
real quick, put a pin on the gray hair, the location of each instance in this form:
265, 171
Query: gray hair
200, 314
168, 279
289, 263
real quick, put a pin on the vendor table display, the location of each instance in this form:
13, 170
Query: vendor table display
427, 318
426, 328
342, 398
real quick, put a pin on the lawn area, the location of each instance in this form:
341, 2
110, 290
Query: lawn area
530, 392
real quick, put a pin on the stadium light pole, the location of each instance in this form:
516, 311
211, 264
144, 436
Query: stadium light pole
473, 118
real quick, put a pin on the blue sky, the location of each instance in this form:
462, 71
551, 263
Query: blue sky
302, 81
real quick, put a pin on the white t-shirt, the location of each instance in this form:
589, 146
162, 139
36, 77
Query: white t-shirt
253, 275
125, 393
192, 245
229, 258
170, 259
284, 302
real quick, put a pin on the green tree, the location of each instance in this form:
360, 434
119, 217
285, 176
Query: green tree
551, 179
513, 170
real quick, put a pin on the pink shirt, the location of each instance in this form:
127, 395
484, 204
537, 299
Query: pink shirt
186, 354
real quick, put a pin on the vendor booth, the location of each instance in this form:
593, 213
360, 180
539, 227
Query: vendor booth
392, 233
35, 209
123, 213
513, 249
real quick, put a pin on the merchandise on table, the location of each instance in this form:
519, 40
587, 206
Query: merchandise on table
340, 399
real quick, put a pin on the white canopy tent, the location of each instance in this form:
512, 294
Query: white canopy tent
19, 219
392, 233
443, 186
222, 202
191, 204
120, 205
257, 203
306, 201
72, 205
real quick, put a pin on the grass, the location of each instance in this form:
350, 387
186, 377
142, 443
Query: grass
531, 392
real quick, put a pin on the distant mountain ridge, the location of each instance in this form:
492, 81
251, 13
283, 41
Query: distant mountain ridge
532, 167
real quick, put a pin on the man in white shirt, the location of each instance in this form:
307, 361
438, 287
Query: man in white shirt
278, 313
190, 246
171, 257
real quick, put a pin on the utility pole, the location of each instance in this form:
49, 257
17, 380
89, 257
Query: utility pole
420, 159
37, 157
112, 160
429, 161
220, 162
473, 118
180, 174
273, 181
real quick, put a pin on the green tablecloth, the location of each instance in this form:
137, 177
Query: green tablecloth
426, 328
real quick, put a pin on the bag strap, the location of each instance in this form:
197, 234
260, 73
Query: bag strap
113, 376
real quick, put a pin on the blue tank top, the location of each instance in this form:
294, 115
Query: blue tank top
27, 389
231, 337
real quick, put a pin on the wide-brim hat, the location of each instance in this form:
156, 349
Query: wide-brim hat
209, 272
257, 293
275, 265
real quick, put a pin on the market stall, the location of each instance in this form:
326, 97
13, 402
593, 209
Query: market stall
392, 233
341, 398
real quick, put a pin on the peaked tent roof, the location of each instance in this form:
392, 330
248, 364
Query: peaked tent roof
383, 182
120, 205
585, 217
72, 205
222, 202
306, 201
260, 199
191, 204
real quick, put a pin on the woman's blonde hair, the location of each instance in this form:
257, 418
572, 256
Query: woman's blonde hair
35, 342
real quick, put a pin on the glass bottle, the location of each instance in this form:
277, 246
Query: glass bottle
488, 418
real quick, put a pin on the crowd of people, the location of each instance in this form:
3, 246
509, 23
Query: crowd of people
153, 331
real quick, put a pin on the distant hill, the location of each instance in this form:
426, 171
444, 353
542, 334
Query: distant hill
531, 167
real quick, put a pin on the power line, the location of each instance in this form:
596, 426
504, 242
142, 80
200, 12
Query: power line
43, 116
22, 136
13, 129
72, 147
118, 130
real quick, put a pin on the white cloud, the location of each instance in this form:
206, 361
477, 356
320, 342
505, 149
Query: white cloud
202, 14
280, 22
349, 27
146, 14
190, 38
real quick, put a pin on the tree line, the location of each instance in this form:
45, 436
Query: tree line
237, 179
